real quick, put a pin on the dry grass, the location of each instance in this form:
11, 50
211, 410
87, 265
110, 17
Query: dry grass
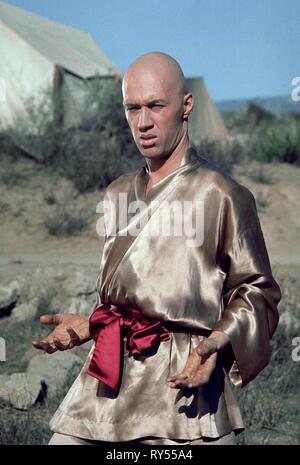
269, 404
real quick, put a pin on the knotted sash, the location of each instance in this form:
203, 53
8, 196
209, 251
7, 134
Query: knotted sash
106, 324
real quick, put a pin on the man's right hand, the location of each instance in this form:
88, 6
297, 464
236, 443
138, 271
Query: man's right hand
71, 330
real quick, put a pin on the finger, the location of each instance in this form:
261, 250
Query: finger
181, 380
51, 319
180, 383
197, 381
40, 345
177, 377
190, 382
74, 336
174, 385
37, 345
188, 370
47, 347
194, 380
59, 345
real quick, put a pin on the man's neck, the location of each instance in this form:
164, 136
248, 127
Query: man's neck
158, 169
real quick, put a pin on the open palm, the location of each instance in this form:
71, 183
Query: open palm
70, 331
199, 366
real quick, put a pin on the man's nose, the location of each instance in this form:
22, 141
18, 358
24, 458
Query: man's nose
144, 121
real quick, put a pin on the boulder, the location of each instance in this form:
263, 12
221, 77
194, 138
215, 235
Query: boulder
43, 285
28, 355
78, 284
56, 370
26, 311
21, 286
77, 305
8, 299
289, 322
21, 390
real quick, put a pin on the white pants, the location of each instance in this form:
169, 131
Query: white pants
63, 439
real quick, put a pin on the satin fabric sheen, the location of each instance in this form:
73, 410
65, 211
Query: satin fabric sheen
106, 324
224, 284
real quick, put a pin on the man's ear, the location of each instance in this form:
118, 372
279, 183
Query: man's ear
188, 103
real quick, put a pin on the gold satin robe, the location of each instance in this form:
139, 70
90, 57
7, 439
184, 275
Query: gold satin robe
225, 284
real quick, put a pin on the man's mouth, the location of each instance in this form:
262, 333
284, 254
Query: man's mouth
147, 140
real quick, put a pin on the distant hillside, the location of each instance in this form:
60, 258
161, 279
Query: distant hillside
280, 105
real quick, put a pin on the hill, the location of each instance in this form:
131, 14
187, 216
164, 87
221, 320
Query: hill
280, 105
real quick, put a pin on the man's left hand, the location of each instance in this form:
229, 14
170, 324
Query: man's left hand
200, 363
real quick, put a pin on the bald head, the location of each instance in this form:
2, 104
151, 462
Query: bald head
162, 67
156, 103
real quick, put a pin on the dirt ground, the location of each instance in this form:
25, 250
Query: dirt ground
24, 207
29, 193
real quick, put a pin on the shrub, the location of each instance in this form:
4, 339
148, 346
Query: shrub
36, 132
92, 159
224, 154
258, 114
262, 201
101, 148
236, 121
66, 222
277, 143
12, 177
253, 118
260, 174
91, 154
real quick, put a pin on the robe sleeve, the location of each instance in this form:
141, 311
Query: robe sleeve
250, 293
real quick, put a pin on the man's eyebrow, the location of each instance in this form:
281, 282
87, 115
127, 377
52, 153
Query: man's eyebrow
151, 102
127, 105
156, 101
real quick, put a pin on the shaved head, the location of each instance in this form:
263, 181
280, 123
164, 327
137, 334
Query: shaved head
157, 104
165, 67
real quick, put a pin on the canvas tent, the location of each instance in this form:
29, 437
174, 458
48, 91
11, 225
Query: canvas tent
37, 53
205, 121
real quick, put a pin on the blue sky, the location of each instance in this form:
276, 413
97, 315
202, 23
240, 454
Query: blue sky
242, 48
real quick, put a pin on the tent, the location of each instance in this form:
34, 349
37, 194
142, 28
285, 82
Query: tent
205, 121
36, 54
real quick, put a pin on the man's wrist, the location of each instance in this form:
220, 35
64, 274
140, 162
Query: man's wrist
220, 338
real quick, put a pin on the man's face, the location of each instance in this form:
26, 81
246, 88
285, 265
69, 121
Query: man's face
154, 111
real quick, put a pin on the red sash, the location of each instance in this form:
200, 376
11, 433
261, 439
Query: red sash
107, 322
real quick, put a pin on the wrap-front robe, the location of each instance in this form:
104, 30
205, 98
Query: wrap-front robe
224, 283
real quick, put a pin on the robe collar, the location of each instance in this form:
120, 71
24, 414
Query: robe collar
141, 179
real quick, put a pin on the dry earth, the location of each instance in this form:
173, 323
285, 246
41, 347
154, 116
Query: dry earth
24, 207
30, 193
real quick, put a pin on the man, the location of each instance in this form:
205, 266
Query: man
178, 315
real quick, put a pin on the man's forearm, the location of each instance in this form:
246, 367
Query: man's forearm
220, 338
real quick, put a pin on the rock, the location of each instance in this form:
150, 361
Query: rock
8, 299
55, 305
55, 369
82, 307
43, 285
78, 284
26, 311
76, 305
55, 273
28, 355
20, 389
289, 322
21, 286
83, 350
